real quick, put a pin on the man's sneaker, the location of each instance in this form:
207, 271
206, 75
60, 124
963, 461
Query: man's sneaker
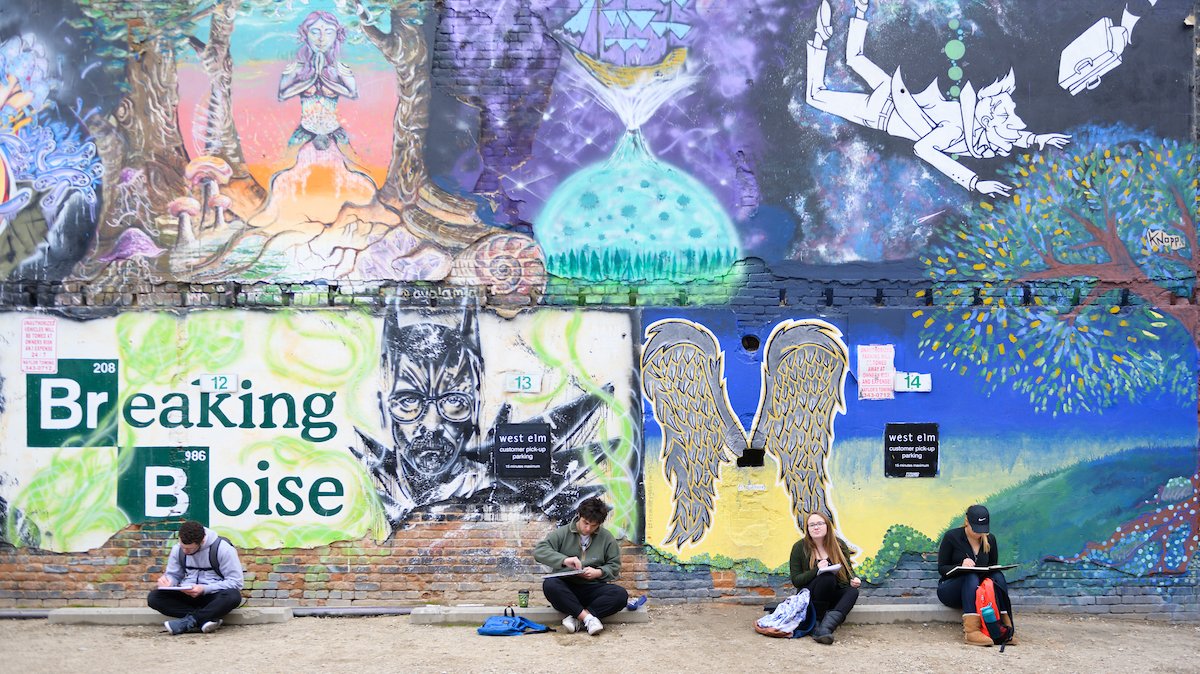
571, 624
181, 625
593, 625
212, 626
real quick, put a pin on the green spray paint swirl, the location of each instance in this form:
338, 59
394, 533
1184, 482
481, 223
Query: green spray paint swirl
618, 473
73, 499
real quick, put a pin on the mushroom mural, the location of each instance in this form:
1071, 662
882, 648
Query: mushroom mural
184, 208
133, 248
220, 203
207, 173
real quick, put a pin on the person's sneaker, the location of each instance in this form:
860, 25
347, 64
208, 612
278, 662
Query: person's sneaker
212, 626
571, 624
593, 625
181, 625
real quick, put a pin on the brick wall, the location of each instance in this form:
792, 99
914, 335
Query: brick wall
473, 557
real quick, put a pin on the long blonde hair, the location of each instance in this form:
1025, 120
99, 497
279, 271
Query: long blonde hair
986, 545
832, 546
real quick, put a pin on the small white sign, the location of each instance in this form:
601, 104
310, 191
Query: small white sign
876, 371
39, 345
522, 382
217, 383
913, 382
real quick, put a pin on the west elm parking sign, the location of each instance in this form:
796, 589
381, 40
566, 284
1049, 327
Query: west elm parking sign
77, 407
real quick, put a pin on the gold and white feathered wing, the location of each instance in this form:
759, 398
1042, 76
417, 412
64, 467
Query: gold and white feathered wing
683, 377
803, 387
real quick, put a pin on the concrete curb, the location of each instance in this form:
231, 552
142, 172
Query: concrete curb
886, 614
475, 615
255, 615
863, 614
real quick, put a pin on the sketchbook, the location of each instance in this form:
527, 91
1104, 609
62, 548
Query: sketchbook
832, 568
980, 569
568, 572
176, 587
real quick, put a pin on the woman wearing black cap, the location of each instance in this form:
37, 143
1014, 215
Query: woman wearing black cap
969, 546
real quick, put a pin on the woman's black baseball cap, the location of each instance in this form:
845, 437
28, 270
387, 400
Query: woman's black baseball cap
979, 519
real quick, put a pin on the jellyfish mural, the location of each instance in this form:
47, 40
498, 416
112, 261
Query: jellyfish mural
633, 216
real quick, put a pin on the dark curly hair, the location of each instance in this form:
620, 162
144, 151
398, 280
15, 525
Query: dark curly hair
191, 532
593, 510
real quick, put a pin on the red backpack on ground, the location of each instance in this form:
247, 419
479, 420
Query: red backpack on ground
989, 603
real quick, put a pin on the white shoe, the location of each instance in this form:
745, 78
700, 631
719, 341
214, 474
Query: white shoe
593, 625
571, 624
212, 626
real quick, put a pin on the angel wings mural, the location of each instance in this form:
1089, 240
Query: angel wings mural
803, 381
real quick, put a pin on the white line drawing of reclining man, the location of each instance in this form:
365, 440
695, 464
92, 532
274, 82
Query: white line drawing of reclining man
979, 125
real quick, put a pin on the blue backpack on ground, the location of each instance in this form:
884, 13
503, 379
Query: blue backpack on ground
509, 625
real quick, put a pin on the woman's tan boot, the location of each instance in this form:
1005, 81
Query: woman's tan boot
973, 630
1007, 621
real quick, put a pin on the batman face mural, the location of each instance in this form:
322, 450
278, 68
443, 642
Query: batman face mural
432, 409
436, 450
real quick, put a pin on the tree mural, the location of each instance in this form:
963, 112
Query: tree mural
1105, 242
141, 142
206, 216
394, 27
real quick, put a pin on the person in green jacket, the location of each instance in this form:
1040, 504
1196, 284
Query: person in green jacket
588, 548
821, 562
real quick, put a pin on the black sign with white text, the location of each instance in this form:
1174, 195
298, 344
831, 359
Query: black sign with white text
910, 450
522, 450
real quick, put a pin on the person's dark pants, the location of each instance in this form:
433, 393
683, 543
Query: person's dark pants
205, 608
600, 599
824, 594
959, 591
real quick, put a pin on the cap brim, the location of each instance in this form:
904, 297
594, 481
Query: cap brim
979, 528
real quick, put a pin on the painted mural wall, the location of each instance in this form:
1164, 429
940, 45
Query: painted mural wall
1065, 469
1008, 189
494, 143
296, 429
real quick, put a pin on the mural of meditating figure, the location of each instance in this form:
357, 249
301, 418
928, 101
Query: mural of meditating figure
979, 125
319, 79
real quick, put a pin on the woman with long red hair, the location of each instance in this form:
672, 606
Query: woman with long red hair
821, 562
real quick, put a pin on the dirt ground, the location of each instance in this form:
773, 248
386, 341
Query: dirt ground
710, 637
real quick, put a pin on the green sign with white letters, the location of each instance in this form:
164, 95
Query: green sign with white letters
158, 483
77, 407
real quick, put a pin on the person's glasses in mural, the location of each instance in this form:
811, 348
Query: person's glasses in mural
410, 406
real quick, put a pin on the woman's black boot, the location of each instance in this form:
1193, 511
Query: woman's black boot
823, 632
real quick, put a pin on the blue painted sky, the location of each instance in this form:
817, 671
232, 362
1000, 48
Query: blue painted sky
269, 34
957, 403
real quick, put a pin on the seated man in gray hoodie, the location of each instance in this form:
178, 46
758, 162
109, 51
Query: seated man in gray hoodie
202, 581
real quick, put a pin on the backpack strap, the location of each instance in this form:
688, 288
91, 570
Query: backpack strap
213, 563
529, 627
212, 556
